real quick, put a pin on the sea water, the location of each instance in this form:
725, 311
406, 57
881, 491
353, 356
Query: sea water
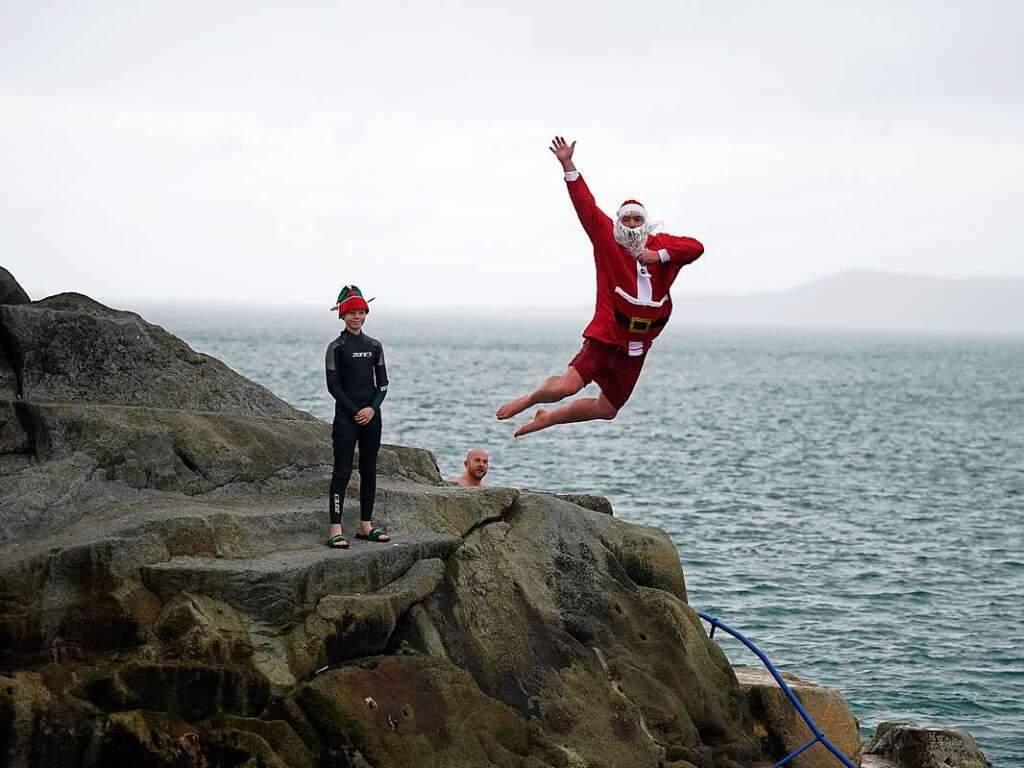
852, 502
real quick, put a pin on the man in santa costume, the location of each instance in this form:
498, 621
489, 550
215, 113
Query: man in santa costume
635, 269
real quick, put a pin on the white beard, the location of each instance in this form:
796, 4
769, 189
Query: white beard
633, 239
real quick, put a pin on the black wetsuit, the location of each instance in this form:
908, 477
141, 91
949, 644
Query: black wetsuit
356, 378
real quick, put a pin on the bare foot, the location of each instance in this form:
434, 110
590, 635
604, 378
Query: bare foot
512, 407
539, 422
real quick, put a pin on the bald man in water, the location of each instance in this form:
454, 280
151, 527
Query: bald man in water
476, 463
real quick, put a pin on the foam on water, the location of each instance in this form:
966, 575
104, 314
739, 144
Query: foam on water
853, 503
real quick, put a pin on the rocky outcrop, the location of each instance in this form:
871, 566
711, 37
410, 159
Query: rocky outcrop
69, 348
166, 597
11, 291
780, 729
908, 745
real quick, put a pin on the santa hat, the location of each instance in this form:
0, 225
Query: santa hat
350, 298
631, 207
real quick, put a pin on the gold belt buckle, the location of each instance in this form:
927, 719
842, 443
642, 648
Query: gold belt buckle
639, 324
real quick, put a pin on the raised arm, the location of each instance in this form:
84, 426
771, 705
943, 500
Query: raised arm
591, 217
563, 154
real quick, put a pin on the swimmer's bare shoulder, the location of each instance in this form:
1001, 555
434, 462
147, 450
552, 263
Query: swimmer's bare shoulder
462, 483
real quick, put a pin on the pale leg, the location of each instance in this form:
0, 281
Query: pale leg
551, 391
584, 409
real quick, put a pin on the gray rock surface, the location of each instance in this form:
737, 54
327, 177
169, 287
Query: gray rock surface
588, 501
69, 348
11, 291
909, 745
605, 651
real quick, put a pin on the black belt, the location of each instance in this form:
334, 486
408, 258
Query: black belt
639, 324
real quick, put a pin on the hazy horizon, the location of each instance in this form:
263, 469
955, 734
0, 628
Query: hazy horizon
849, 301
125, 301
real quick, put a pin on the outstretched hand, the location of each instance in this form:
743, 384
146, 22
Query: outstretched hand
562, 151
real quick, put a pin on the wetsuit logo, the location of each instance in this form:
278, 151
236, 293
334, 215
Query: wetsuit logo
362, 354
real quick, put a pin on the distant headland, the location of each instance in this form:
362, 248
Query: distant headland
872, 300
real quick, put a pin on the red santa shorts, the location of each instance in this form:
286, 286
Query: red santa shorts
613, 370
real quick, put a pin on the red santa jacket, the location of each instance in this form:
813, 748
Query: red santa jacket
632, 304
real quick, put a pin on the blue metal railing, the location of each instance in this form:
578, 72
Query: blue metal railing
819, 737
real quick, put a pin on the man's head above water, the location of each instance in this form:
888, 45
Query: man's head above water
477, 463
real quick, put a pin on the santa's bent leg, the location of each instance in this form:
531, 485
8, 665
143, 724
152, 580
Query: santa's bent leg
551, 390
584, 409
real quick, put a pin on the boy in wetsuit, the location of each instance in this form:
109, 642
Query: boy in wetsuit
358, 382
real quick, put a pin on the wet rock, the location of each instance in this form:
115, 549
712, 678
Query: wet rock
76, 601
412, 711
909, 745
780, 729
199, 627
232, 740
189, 689
38, 728
150, 738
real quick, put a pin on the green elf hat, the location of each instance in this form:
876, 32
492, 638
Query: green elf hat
349, 299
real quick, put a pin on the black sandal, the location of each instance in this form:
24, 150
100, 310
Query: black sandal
374, 534
338, 541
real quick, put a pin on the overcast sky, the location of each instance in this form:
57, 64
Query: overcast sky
257, 152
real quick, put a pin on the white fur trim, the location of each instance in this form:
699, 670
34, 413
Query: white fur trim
636, 348
643, 282
664, 255
631, 208
640, 302
572, 175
